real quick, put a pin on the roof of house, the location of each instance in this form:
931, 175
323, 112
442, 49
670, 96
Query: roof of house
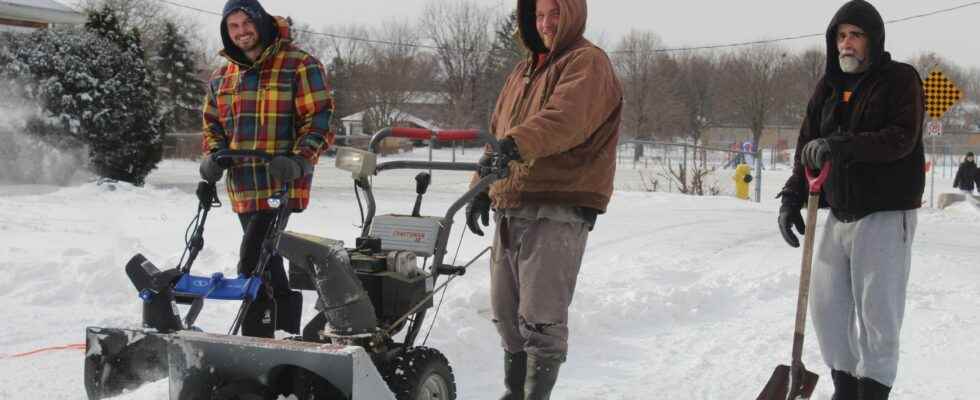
395, 114
48, 11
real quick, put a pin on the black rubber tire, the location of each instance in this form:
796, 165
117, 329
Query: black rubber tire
421, 373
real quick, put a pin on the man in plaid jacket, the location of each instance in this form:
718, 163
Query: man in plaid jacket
272, 97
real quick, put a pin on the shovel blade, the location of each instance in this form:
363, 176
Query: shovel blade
782, 386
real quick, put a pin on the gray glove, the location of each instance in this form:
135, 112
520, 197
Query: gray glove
815, 153
211, 170
289, 168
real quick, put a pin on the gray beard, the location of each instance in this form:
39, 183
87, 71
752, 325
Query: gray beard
852, 64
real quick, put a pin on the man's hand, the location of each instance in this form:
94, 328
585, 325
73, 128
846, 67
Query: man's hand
789, 216
486, 165
815, 153
288, 168
509, 151
211, 169
479, 207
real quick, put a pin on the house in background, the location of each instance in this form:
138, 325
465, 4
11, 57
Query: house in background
354, 123
27, 15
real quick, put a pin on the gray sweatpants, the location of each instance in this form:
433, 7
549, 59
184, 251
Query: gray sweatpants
857, 292
535, 265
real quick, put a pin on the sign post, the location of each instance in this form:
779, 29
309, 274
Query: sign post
941, 94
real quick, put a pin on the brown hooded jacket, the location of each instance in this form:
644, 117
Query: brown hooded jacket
564, 115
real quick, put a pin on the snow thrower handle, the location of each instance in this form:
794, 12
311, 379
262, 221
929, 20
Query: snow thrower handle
227, 154
816, 181
435, 135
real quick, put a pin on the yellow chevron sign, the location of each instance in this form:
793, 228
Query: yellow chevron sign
941, 94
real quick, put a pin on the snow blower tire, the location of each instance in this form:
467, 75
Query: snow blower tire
421, 373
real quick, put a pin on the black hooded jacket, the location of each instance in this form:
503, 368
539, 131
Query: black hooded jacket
877, 157
264, 23
967, 176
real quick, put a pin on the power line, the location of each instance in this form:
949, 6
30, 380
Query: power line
798, 37
659, 50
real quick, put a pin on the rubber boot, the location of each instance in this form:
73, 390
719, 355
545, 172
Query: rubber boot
845, 386
871, 389
515, 369
542, 373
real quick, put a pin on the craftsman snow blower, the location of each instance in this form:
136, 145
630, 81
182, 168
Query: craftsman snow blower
366, 295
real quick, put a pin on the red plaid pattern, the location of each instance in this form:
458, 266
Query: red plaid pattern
280, 105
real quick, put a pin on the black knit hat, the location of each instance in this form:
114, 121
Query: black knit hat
969, 154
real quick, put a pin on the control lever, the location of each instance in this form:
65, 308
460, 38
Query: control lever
422, 181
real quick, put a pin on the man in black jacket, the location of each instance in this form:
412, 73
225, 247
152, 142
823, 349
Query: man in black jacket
967, 176
865, 118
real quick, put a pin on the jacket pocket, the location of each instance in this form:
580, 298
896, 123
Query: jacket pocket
275, 101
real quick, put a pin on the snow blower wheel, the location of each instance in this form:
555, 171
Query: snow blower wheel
422, 373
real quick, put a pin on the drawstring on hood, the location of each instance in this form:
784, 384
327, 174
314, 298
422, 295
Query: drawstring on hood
265, 24
571, 25
862, 14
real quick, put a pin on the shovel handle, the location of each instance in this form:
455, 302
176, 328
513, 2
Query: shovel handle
816, 181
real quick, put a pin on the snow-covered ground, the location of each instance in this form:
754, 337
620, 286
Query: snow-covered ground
679, 297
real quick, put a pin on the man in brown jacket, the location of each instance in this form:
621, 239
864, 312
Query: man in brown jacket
558, 121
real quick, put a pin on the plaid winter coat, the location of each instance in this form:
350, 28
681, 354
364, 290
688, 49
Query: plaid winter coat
281, 105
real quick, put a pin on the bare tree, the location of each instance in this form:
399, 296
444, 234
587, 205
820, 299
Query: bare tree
650, 107
753, 77
148, 17
801, 74
462, 31
396, 72
697, 89
309, 40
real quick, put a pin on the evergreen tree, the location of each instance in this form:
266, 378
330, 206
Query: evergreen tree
131, 149
179, 88
95, 93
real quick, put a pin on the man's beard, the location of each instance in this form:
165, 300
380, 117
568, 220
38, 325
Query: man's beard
851, 64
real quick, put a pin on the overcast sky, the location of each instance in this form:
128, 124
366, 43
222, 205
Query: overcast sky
954, 35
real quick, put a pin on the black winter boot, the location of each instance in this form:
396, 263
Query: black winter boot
871, 389
845, 386
542, 373
515, 370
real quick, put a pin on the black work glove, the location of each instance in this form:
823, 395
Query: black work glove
509, 151
790, 216
288, 168
815, 153
211, 169
486, 165
479, 207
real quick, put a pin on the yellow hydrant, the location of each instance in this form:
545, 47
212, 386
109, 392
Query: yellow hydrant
742, 178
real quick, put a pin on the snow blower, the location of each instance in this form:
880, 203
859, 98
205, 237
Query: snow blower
366, 295
794, 381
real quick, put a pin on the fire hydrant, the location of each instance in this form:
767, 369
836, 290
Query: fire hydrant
742, 178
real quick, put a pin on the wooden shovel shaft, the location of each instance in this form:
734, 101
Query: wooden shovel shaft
804, 294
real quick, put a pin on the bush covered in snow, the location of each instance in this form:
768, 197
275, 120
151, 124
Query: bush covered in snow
94, 90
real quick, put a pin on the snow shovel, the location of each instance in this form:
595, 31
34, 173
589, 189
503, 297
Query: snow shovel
794, 381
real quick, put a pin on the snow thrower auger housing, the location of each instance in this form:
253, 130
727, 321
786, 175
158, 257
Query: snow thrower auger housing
366, 294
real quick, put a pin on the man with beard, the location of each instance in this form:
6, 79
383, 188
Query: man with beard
557, 118
865, 119
270, 97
